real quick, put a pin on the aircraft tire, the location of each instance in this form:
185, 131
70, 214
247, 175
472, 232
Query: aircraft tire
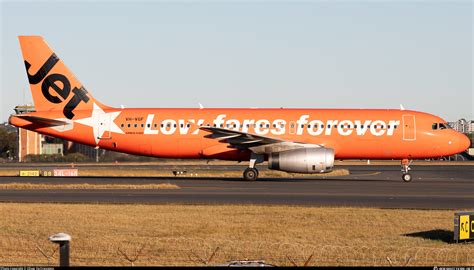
250, 174
406, 177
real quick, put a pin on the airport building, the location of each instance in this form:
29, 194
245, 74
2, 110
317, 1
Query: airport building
470, 127
32, 143
463, 126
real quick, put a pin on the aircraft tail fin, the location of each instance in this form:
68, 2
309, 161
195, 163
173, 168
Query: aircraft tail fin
53, 86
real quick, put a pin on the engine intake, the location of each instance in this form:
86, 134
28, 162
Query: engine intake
303, 160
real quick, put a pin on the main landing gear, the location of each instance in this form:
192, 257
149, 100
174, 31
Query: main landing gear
406, 176
251, 173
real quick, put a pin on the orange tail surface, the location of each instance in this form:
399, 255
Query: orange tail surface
53, 86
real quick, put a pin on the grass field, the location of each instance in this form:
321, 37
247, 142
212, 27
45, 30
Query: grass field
143, 172
29, 186
189, 234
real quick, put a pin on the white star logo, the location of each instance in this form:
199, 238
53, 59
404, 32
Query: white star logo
101, 122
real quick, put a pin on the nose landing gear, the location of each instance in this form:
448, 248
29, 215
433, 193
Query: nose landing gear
406, 176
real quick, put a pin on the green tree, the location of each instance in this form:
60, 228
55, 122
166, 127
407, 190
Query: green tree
8, 143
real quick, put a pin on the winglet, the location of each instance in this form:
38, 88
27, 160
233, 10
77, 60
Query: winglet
401, 107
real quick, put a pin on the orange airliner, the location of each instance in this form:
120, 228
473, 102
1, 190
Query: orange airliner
292, 140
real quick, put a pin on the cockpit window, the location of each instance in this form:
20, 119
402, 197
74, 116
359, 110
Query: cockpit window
436, 126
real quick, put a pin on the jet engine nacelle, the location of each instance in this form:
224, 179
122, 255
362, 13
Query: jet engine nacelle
303, 160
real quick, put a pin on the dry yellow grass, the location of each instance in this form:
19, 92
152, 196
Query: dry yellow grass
87, 186
187, 235
201, 173
134, 172
9, 172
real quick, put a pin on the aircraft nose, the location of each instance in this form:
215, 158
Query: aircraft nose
463, 142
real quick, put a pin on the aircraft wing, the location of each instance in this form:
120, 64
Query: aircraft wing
256, 143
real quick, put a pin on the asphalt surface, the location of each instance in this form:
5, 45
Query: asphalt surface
433, 187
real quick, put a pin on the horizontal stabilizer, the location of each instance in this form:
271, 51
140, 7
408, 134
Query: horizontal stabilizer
42, 121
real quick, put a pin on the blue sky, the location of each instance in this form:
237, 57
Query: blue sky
312, 54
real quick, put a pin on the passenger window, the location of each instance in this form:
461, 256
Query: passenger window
148, 125
128, 125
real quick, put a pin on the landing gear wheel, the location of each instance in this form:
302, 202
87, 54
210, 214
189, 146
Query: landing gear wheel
406, 177
250, 174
